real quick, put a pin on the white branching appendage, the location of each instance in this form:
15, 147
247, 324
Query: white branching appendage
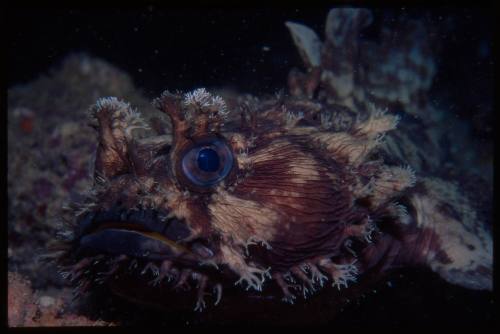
308, 275
292, 118
392, 180
101, 181
111, 103
84, 208
89, 202
66, 235
363, 231
256, 241
253, 277
368, 228
378, 122
356, 144
326, 120
134, 121
400, 211
204, 101
123, 116
250, 276
341, 274
411, 175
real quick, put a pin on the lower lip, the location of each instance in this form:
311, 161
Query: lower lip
128, 242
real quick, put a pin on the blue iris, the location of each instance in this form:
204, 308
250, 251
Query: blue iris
208, 163
208, 160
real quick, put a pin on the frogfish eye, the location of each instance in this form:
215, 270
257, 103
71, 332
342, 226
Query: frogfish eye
207, 163
208, 160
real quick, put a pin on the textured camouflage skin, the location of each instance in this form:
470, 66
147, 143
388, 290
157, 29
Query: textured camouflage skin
321, 186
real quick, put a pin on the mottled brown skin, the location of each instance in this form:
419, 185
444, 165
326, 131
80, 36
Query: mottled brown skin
295, 192
303, 202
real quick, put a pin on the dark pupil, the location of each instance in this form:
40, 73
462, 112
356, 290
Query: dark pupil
208, 160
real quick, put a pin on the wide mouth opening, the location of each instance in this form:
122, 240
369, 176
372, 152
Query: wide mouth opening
134, 228
118, 226
144, 234
139, 220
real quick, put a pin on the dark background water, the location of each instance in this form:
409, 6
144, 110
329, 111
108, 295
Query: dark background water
247, 48
252, 51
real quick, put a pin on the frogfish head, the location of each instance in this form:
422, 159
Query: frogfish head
249, 193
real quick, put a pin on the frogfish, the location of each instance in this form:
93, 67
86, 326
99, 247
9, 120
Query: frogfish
287, 195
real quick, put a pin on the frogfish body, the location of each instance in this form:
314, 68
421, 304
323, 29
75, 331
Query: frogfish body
292, 194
